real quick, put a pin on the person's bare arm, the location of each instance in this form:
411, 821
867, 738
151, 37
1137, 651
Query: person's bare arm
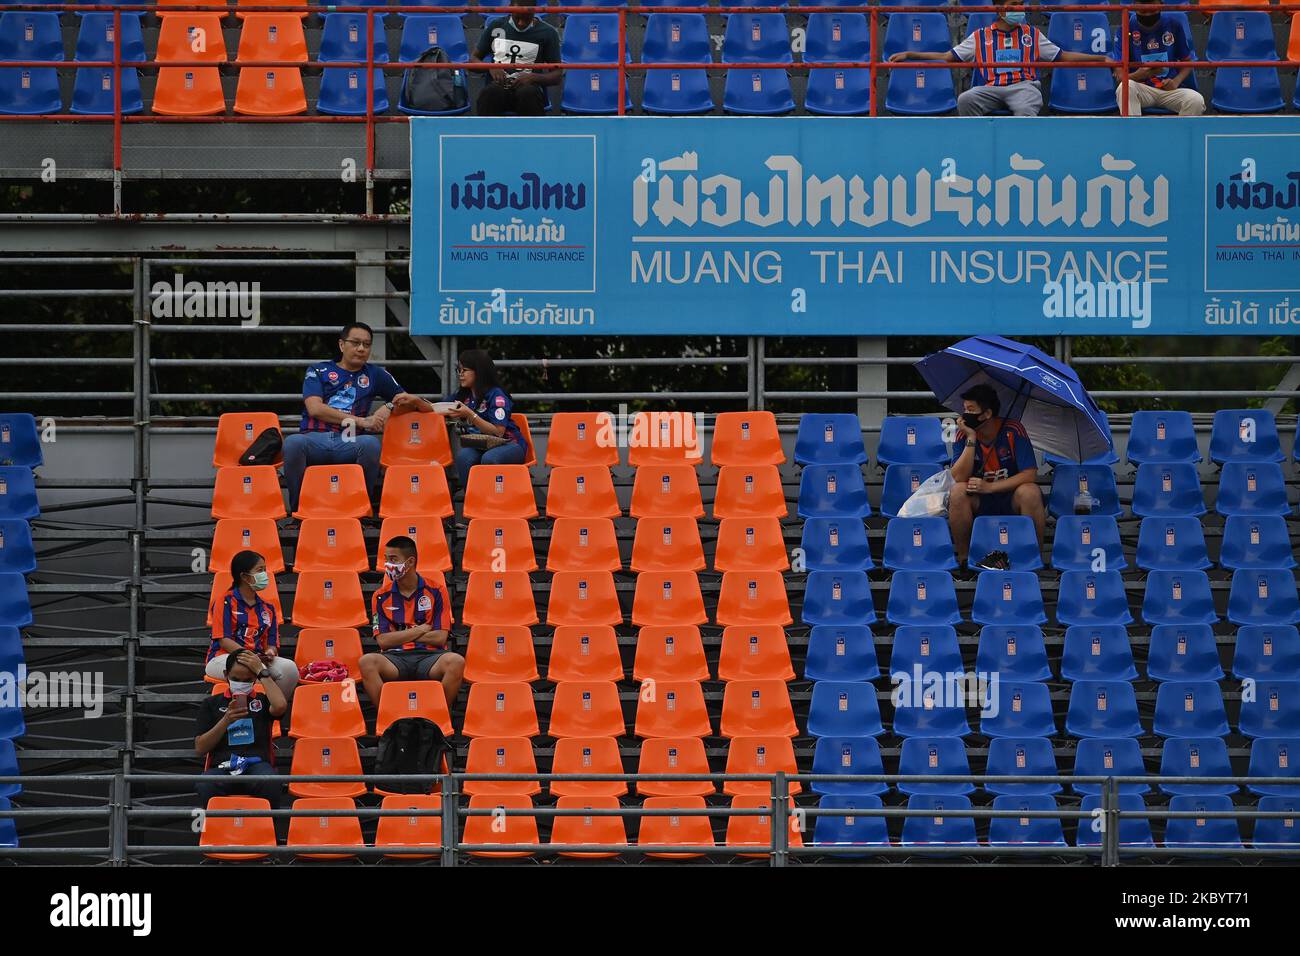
420, 633
539, 78
497, 76
206, 742
902, 55
964, 466
1072, 57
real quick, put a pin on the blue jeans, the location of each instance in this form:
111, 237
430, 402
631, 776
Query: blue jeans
467, 458
329, 448
246, 784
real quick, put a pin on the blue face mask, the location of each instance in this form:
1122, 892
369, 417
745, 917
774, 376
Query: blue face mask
1014, 16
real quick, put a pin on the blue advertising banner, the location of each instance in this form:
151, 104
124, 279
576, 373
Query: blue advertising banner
817, 226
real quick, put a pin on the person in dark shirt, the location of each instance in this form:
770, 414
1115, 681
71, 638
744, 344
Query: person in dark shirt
516, 41
232, 732
1154, 39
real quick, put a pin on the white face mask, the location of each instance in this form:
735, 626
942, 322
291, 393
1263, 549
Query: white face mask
394, 571
241, 686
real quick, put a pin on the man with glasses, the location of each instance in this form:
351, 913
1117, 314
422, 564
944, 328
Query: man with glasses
336, 397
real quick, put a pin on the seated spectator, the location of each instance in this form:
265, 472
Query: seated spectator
1001, 52
233, 733
517, 39
242, 621
1156, 38
482, 407
412, 628
336, 397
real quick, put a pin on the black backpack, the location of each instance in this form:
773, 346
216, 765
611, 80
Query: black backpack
412, 745
265, 449
434, 91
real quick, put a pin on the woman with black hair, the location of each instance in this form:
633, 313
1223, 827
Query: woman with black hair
242, 621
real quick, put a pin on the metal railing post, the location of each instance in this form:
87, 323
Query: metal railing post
370, 112
760, 372
450, 821
117, 822
1110, 821
622, 60
117, 111
875, 57
780, 820
1124, 81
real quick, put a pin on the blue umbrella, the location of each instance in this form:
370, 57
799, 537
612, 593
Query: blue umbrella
1046, 396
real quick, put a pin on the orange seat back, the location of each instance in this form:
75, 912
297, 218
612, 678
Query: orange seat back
581, 491
192, 38
587, 755
236, 431
499, 544
582, 598
664, 438
757, 708
500, 709
584, 653
247, 493
670, 653
319, 756
413, 698
760, 754
499, 598
342, 644
521, 422
746, 438
755, 652
672, 709
416, 438
664, 755
750, 544
272, 38
753, 597
413, 491
329, 599
310, 831
757, 830
664, 491
667, 544
501, 653
233, 535
588, 830
582, 438
424, 830
502, 829
583, 544
749, 492
586, 709
333, 491
668, 597
682, 829
330, 544
270, 91
237, 831
500, 491
326, 710
501, 755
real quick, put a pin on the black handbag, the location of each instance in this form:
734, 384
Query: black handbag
481, 442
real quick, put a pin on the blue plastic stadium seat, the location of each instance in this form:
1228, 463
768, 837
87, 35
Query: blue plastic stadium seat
901, 482
1016, 651
942, 828
1077, 89
930, 711
1079, 538
19, 443
1108, 757
1272, 711
18, 493
1069, 481
1203, 832
30, 90
757, 38
343, 89
11, 642
1196, 757
848, 755
1097, 652
17, 555
1162, 437
845, 652
1172, 543
8, 827
1026, 831
1167, 489
918, 544
833, 491
1265, 596
1103, 708
935, 756
1178, 597
92, 90
836, 544
15, 609
844, 709
829, 440
9, 768
924, 649
1133, 831
592, 38
677, 38
912, 441
1008, 597
1023, 757
1267, 652
1274, 831
1252, 488
1275, 757
343, 38
838, 597
922, 597
1183, 652
1243, 35
1252, 543
343, 92
424, 30
837, 38
1190, 709
850, 830
1013, 534
1024, 709
1245, 434
916, 91
1091, 598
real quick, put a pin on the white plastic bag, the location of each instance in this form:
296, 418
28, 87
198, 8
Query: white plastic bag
931, 498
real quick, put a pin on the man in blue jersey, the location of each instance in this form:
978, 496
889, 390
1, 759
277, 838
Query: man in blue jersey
336, 398
1156, 38
994, 467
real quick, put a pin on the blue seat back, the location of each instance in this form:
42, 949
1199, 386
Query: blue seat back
1097, 652
1080, 541
843, 652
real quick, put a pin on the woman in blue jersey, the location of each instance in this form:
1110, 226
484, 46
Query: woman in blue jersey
242, 621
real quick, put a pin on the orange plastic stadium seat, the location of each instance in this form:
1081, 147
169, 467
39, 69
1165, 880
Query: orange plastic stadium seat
329, 599
750, 544
189, 37
1293, 44
757, 830
413, 698
499, 544
198, 3
672, 709
510, 829
415, 438
424, 830
190, 90
585, 491
500, 598
333, 491
753, 597
500, 491
582, 438
760, 754
501, 755
432, 554
583, 544
669, 652
319, 756
583, 599
746, 438
588, 830
270, 91
664, 438
331, 544
667, 544
757, 708
755, 652
587, 755
584, 653
238, 831
308, 831
239, 534
327, 710
674, 755
521, 422
247, 493
749, 492
272, 38
500, 709
268, 3
668, 597
221, 584
586, 709
415, 491
502, 653
666, 491
684, 829
236, 431
342, 644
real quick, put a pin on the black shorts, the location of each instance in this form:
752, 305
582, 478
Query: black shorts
414, 664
